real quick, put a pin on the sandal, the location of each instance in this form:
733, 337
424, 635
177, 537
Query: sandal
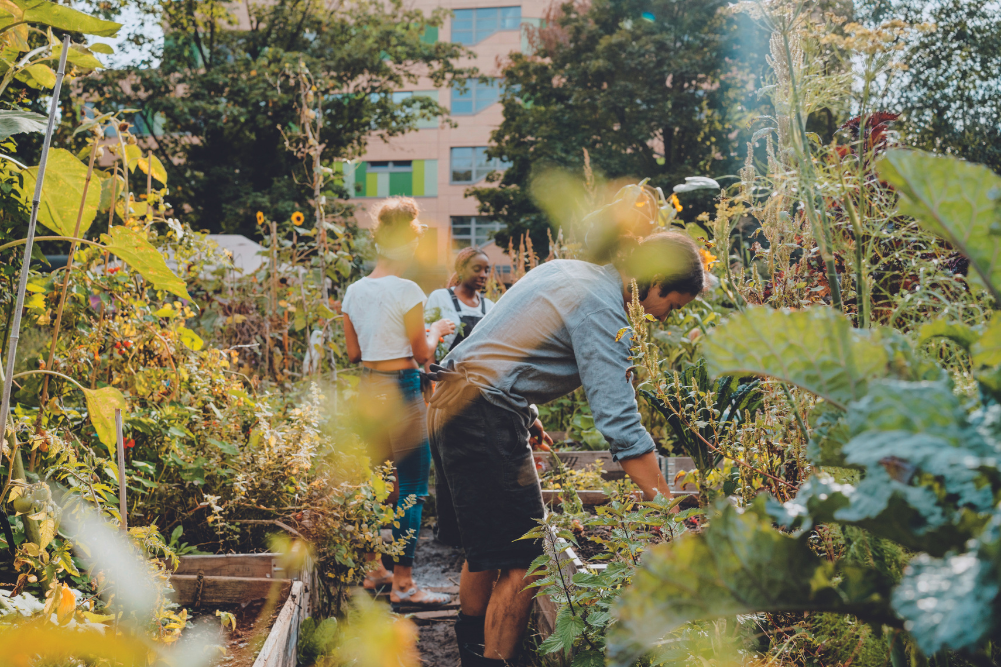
429, 601
379, 585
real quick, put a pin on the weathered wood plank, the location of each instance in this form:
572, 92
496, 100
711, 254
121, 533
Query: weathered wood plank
279, 648
232, 565
674, 465
224, 590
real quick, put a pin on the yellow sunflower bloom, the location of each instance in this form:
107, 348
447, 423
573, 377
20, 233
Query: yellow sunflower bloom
297, 218
708, 259
260, 218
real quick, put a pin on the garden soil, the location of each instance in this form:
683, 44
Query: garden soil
439, 566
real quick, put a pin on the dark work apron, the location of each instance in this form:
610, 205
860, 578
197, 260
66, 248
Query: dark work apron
466, 322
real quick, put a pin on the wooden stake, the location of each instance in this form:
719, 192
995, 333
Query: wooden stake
122, 505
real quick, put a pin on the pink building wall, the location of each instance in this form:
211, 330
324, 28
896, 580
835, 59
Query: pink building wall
436, 143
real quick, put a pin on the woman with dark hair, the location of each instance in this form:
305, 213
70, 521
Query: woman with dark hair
384, 330
462, 303
555, 330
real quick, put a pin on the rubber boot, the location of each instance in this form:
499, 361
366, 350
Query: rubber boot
469, 637
471, 655
469, 629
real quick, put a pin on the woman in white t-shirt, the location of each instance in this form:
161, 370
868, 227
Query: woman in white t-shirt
463, 303
384, 330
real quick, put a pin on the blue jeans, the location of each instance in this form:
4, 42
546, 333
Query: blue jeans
407, 440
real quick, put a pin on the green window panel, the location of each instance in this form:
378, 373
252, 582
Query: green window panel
430, 35
430, 178
371, 185
360, 180
381, 185
418, 178
428, 123
401, 183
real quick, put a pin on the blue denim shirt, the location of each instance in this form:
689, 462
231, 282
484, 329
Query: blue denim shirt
552, 332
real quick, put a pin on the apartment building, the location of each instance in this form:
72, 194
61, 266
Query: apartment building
437, 163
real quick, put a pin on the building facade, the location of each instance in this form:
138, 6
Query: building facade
437, 162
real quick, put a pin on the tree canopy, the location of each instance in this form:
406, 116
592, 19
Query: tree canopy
950, 93
650, 89
220, 96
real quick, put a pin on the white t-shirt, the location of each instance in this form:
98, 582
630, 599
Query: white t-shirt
376, 307
442, 300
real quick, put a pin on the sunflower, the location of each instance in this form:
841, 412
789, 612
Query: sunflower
677, 204
260, 218
297, 218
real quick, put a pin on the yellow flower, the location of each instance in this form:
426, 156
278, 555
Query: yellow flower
260, 218
708, 259
297, 218
677, 204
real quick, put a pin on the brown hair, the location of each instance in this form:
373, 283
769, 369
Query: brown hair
462, 260
396, 222
670, 260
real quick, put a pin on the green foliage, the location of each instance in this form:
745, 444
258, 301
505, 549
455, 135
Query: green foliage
61, 17
101, 406
625, 530
816, 349
957, 200
65, 179
17, 122
945, 109
711, 406
661, 98
740, 565
241, 97
140, 255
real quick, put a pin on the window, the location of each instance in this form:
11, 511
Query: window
472, 26
478, 96
395, 166
471, 165
474, 230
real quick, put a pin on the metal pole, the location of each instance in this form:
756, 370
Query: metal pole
122, 506
23, 284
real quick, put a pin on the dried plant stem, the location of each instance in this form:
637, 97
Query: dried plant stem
62, 295
817, 217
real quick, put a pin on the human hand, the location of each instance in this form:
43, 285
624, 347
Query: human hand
538, 437
443, 327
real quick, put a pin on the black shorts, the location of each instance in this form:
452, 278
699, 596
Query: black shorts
487, 489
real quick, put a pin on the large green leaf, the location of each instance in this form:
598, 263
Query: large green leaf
739, 565
62, 191
17, 122
137, 252
947, 603
953, 198
101, 405
928, 470
816, 349
42, 12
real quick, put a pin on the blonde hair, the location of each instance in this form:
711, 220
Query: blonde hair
396, 222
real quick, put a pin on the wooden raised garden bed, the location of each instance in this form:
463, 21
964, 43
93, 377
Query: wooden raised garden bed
208, 582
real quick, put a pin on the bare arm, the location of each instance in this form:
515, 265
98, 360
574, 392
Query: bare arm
423, 343
351, 340
646, 474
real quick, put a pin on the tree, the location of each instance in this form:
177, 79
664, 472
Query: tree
650, 89
221, 96
950, 93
